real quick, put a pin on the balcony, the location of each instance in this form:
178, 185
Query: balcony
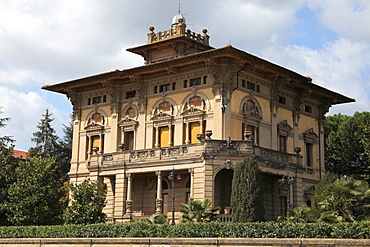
192, 153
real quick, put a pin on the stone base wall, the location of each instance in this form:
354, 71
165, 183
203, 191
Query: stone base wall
181, 242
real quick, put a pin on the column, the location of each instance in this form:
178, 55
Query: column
89, 147
201, 127
274, 134
101, 143
119, 207
128, 214
159, 200
191, 196
157, 137
187, 141
170, 134
122, 136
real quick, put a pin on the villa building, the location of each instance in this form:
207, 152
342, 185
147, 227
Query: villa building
196, 111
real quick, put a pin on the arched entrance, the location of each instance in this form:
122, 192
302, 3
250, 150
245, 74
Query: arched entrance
222, 192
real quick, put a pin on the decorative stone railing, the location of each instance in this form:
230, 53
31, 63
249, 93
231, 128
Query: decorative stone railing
278, 157
178, 30
242, 148
195, 151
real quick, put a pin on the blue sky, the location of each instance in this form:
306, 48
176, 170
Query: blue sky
46, 42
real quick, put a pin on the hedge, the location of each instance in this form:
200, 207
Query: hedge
358, 230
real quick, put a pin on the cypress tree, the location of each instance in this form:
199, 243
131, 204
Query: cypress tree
247, 192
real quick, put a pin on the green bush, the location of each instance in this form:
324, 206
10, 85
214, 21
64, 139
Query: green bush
357, 230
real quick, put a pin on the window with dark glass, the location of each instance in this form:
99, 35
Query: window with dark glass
185, 83
129, 140
96, 100
251, 86
282, 143
195, 81
130, 94
282, 100
155, 90
164, 88
309, 154
308, 108
205, 79
243, 83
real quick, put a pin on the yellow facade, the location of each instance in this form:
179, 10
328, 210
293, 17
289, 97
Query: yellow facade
196, 110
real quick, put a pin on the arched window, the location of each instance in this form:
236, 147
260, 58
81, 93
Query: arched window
95, 129
128, 126
163, 127
194, 118
251, 111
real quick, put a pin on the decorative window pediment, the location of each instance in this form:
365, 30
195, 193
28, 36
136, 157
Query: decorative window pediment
250, 109
127, 122
161, 116
164, 111
284, 128
192, 110
96, 121
310, 136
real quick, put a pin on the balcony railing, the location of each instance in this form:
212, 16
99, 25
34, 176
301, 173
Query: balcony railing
196, 151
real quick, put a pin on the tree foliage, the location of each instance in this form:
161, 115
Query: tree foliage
4, 140
346, 144
347, 199
45, 138
8, 165
247, 192
88, 201
35, 196
199, 211
336, 199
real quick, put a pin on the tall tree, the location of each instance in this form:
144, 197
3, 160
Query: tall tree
346, 145
8, 165
47, 142
4, 140
247, 192
64, 148
35, 197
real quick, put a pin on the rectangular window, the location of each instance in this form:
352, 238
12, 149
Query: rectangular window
194, 131
104, 98
155, 90
195, 81
129, 140
251, 86
282, 100
173, 85
164, 136
258, 88
96, 100
243, 83
185, 83
309, 154
282, 143
205, 79
89, 101
308, 108
164, 88
130, 94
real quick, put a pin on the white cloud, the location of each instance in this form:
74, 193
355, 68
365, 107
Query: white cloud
338, 66
25, 111
349, 18
47, 42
